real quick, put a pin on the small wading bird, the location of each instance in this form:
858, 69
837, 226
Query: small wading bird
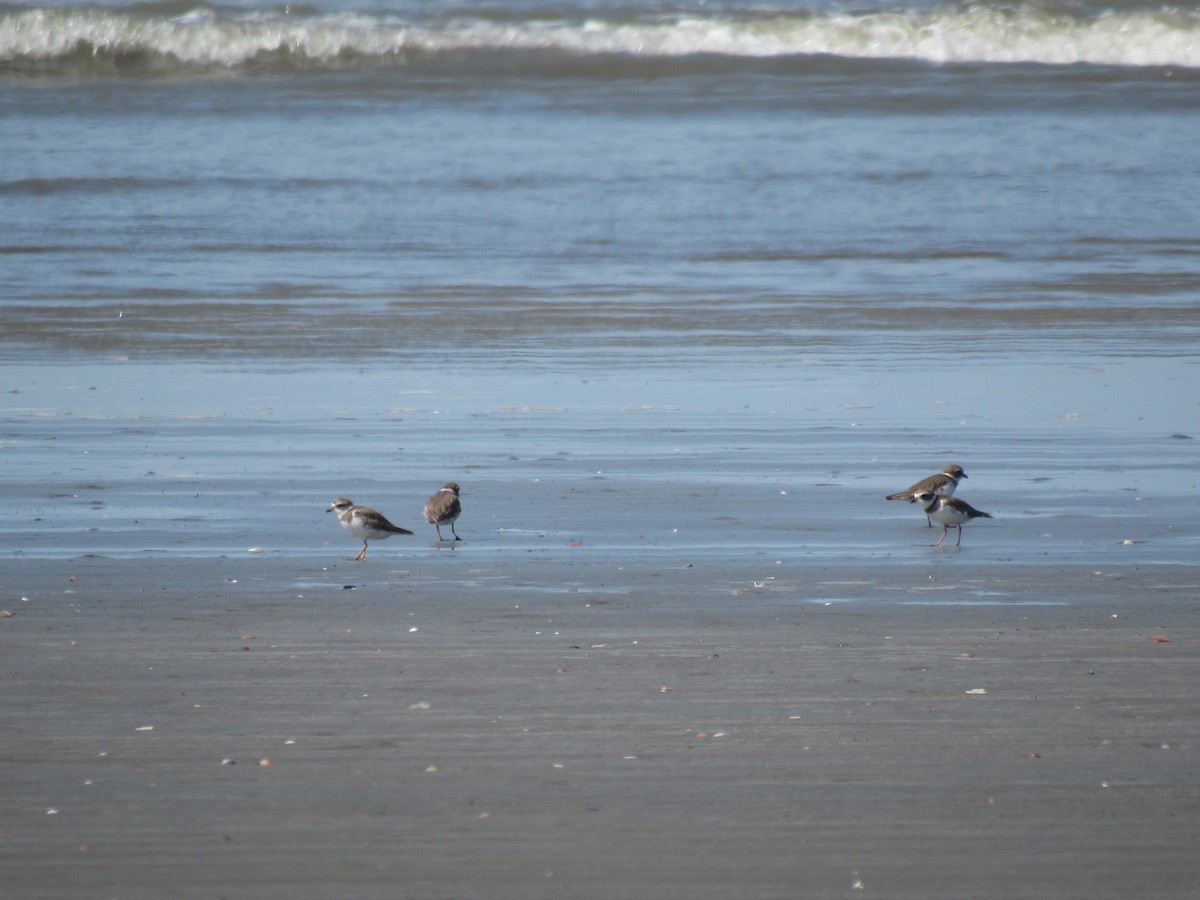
942, 484
947, 511
443, 508
363, 522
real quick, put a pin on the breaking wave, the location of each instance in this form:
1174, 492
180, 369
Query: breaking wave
50, 38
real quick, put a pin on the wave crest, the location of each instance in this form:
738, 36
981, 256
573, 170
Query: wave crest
206, 38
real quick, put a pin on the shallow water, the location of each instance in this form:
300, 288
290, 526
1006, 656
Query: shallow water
195, 461
706, 298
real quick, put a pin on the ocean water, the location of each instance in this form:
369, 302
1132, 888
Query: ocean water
653, 281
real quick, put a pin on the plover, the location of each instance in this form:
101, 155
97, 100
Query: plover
947, 511
942, 484
443, 508
363, 522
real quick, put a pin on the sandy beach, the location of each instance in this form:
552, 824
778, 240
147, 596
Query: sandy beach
258, 727
682, 651
678, 293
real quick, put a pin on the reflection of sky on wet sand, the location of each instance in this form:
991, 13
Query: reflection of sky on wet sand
783, 459
1127, 393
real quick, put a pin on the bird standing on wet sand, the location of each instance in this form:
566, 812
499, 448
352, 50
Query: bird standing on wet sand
363, 522
443, 508
947, 511
942, 484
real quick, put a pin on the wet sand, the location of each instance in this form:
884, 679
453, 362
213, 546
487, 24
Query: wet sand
685, 649
438, 723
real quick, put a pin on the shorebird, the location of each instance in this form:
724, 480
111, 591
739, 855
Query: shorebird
942, 484
443, 508
363, 522
947, 511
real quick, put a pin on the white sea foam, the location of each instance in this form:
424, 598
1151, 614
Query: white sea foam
1166, 37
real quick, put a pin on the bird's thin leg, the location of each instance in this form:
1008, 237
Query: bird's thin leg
453, 532
945, 531
362, 554
439, 530
958, 543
